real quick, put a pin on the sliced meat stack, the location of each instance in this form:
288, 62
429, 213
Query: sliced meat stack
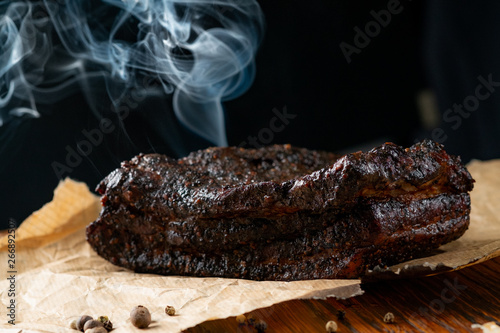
280, 212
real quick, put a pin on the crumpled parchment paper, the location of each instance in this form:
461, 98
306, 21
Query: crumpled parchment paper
59, 277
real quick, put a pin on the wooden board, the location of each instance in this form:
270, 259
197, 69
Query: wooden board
449, 302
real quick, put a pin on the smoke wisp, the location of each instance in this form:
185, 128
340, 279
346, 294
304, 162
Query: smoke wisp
200, 51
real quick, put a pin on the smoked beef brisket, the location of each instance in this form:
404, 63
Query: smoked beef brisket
280, 212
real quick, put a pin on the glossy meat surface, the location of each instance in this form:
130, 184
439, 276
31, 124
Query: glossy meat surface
280, 212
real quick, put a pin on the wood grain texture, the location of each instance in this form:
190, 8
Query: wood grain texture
449, 302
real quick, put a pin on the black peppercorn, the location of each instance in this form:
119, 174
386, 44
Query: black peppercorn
341, 314
80, 322
92, 324
140, 317
251, 319
260, 325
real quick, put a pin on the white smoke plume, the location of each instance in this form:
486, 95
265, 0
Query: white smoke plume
201, 51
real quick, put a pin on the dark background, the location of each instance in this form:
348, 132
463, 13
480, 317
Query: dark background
339, 106
301, 65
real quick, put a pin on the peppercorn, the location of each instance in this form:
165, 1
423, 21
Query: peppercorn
331, 326
341, 314
260, 325
99, 329
80, 322
92, 324
108, 325
389, 318
140, 317
251, 319
241, 319
170, 310
72, 324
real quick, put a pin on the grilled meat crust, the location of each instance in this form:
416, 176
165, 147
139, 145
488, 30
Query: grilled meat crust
280, 212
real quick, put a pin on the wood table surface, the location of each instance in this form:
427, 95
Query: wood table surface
448, 302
